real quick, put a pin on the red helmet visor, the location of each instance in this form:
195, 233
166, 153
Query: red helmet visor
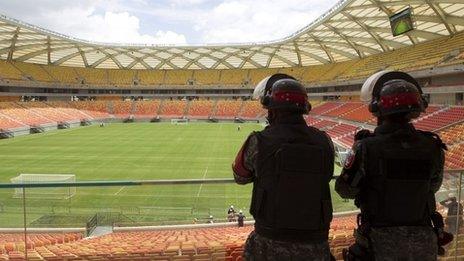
288, 96
400, 99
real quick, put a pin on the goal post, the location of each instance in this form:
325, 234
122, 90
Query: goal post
179, 121
45, 193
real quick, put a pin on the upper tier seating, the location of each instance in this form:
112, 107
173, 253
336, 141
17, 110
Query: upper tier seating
151, 77
121, 77
228, 108
62, 74
92, 76
178, 77
33, 72
201, 108
9, 72
419, 56
206, 77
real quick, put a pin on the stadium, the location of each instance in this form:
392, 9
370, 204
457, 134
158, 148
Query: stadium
144, 135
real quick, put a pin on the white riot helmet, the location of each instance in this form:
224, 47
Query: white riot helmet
391, 92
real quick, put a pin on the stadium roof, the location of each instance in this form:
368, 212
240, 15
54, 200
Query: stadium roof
351, 29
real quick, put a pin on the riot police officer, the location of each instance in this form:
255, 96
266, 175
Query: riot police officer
393, 174
290, 165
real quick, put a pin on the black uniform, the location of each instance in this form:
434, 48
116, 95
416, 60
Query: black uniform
290, 165
452, 215
393, 176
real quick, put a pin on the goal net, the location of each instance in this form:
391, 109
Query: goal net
179, 121
48, 192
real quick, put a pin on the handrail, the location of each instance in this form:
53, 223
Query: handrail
108, 183
116, 183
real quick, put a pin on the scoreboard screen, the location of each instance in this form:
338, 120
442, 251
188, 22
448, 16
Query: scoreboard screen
402, 22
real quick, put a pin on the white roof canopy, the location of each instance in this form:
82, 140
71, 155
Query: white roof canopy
351, 29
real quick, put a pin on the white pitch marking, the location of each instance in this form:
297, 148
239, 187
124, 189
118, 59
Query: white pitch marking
201, 185
119, 190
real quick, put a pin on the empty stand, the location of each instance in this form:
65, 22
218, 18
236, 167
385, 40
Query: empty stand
173, 108
453, 134
200, 108
455, 157
218, 243
343, 109
228, 108
33, 72
122, 109
146, 109
151, 77
92, 76
252, 110
9, 72
121, 77
325, 108
439, 119
96, 109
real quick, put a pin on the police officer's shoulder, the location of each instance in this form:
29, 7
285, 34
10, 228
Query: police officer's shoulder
319, 132
434, 137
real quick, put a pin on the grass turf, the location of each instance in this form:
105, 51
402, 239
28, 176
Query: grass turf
125, 152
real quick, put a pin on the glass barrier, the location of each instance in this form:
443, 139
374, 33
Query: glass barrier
120, 217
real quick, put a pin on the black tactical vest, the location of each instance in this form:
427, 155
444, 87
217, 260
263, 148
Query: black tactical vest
291, 195
398, 169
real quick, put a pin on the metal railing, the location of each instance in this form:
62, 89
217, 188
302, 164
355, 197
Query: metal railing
457, 176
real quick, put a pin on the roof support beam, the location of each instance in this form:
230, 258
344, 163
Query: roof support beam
323, 47
49, 51
12, 45
37, 53
441, 14
297, 50
366, 29
350, 43
84, 58
65, 58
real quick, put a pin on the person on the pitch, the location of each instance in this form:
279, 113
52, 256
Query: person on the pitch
231, 214
290, 165
452, 216
240, 218
393, 174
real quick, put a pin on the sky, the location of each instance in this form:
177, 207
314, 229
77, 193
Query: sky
179, 22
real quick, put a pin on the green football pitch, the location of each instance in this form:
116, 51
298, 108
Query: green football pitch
136, 151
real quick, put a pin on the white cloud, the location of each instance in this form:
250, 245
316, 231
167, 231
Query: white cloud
111, 28
200, 21
84, 22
